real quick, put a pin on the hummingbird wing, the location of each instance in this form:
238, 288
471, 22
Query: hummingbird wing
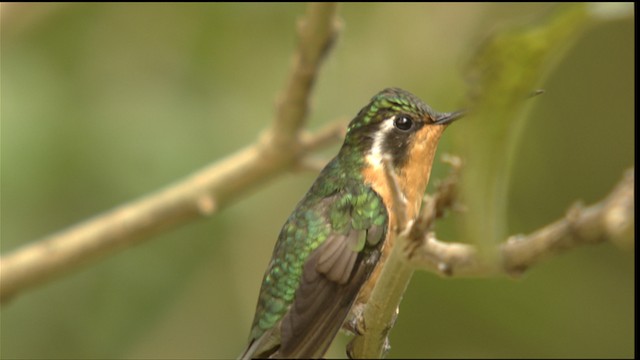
325, 252
333, 274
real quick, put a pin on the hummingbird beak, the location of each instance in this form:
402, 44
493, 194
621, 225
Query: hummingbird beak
447, 118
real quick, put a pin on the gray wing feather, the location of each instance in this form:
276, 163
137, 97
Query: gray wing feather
336, 257
331, 278
323, 300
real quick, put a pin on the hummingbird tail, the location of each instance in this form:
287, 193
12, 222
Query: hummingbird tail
249, 351
262, 347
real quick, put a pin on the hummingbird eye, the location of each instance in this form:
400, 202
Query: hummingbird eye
403, 123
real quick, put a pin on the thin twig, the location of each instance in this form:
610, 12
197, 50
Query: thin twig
202, 194
317, 32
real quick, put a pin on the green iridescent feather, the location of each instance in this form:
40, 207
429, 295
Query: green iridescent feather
353, 206
391, 99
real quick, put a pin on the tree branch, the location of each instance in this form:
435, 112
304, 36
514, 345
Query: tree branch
316, 34
612, 219
381, 310
203, 193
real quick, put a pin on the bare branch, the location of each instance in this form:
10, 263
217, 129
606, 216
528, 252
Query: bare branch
317, 31
611, 219
201, 194
389, 288
381, 311
329, 135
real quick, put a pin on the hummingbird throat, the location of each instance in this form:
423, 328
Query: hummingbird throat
410, 158
377, 153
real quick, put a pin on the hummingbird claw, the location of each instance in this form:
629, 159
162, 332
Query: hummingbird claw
355, 323
361, 327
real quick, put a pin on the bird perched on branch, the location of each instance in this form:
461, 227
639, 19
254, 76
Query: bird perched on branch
333, 245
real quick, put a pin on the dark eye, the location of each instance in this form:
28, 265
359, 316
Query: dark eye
403, 123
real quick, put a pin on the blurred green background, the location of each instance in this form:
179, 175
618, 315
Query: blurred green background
103, 103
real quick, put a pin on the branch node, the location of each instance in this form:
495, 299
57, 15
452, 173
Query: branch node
513, 239
573, 217
619, 214
445, 269
206, 205
355, 323
516, 272
575, 211
453, 160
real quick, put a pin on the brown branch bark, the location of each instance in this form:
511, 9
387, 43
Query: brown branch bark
611, 219
203, 193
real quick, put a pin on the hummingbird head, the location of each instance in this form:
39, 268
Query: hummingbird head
393, 124
398, 126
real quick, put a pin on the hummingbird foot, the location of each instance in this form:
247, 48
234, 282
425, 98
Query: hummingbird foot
355, 321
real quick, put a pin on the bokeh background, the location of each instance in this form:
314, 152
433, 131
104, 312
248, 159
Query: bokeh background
103, 103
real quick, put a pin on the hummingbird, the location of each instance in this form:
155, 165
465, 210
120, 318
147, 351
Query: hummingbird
333, 245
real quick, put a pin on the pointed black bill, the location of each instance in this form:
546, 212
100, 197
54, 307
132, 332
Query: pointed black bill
447, 118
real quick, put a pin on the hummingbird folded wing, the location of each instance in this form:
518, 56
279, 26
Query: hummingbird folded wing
331, 279
348, 227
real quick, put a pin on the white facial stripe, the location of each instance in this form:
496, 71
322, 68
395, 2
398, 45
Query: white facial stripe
375, 156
